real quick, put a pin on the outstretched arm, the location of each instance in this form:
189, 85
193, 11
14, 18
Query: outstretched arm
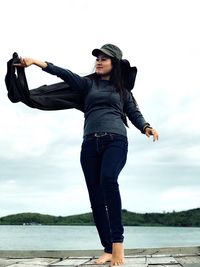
26, 62
73, 79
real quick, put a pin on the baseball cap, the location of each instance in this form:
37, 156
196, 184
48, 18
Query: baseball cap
110, 50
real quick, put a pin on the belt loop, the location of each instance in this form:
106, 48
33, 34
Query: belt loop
111, 136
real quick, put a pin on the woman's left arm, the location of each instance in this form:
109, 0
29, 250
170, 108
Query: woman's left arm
134, 114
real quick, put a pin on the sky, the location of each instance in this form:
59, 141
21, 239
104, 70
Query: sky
40, 167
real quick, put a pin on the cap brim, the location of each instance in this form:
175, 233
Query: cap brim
97, 51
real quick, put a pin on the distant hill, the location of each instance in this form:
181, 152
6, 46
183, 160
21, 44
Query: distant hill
181, 218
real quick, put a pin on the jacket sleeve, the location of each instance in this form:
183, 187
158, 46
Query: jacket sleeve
133, 112
72, 79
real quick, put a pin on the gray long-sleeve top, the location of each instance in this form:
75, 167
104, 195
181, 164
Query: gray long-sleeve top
102, 106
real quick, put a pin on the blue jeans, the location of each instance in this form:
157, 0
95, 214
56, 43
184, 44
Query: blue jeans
102, 159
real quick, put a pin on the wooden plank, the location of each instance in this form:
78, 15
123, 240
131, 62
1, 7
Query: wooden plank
164, 265
107, 264
164, 250
48, 253
37, 261
131, 265
135, 260
42, 262
161, 260
188, 259
129, 262
24, 265
6, 262
92, 262
71, 262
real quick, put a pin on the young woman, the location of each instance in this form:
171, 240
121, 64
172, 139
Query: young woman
105, 144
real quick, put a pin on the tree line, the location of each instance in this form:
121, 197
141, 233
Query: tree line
190, 218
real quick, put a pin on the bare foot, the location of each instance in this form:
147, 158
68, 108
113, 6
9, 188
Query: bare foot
104, 258
117, 254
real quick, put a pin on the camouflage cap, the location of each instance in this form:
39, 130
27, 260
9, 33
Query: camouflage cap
110, 50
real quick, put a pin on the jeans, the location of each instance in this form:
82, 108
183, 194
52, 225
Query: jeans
102, 159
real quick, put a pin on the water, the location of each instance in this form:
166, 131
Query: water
42, 237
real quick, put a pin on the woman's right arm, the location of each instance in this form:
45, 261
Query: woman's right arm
26, 62
73, 79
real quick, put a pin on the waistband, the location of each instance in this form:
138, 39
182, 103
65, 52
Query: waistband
101, 134
98, 134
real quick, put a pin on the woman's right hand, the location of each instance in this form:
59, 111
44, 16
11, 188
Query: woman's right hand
24, 62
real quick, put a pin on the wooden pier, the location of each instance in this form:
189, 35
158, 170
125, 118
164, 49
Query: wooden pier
149, 257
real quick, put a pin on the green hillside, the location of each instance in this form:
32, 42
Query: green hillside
181, 218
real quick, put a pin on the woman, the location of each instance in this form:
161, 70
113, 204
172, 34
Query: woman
105, 144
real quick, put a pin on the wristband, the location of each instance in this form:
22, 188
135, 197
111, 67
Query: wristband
146, 126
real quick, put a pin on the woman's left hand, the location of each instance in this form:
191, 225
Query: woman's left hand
151, 131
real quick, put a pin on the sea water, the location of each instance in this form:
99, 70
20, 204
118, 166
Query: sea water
42, 237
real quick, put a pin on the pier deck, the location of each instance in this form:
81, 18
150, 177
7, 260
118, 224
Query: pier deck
149, 257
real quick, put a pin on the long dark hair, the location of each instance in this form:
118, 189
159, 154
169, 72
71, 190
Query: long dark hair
117, 77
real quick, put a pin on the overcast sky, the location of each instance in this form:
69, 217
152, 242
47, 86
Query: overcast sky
40, 169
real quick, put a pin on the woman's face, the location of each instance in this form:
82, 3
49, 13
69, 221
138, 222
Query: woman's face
103, 65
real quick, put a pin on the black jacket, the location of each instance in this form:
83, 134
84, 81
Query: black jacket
47, 97
56, 96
